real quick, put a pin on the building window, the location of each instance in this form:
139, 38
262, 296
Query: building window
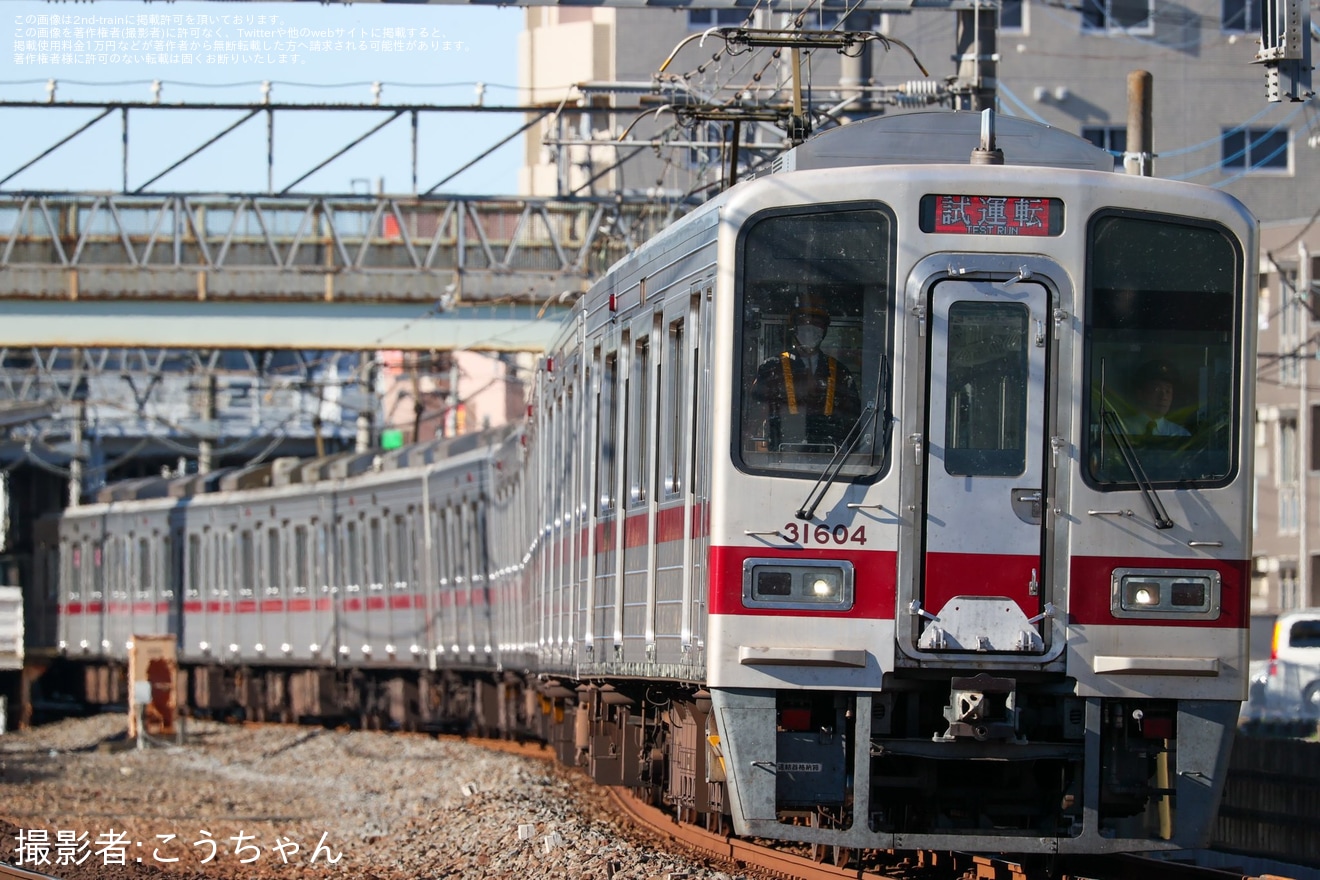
1239, 16
1126, 16
1314, 438
819, 19
1255, 149
1312, 596
1108, 137
1291, 345
1012, 15
700, 19
1288, 593
1289, 485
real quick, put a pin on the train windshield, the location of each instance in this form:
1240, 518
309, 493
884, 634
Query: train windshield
813, 319
1161, 352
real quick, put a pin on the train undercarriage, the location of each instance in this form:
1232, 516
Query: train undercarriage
973, 766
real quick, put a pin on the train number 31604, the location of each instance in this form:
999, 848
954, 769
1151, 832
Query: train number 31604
805, 533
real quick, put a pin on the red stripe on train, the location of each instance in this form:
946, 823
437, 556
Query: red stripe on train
981, 574
875, 574
668, 527
1089, 590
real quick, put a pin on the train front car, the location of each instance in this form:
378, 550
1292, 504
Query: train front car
980, 518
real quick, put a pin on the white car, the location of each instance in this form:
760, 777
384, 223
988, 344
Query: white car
1290, 682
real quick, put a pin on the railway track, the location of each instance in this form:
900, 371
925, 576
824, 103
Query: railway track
749, 857
655, 830
739, 854
743, 855
13, 872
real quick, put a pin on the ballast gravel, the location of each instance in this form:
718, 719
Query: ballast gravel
78, 800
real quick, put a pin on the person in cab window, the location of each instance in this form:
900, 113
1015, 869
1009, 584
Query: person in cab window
807, 398
1154, 387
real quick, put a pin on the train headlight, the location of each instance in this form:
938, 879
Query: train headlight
1141, 593
824, 586
813, 584
1165, 593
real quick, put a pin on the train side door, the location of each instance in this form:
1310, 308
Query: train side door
984, 467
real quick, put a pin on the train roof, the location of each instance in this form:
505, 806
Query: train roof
947, 137
288, 471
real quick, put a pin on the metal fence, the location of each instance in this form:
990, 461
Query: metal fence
1271, 804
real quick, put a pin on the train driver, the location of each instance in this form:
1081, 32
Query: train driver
805, 397
1154, 387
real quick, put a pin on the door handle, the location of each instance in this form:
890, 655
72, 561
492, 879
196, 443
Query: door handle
1028, 504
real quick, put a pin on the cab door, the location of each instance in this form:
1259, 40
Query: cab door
984, 467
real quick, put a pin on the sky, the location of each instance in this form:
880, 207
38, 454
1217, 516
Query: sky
212, 52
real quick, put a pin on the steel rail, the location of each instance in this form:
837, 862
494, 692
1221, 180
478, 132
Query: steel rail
738, 852
13, 871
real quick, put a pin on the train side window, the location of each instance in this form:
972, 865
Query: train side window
674, 428
607, 420
321, 561
583, 505
1162, 323
444, 568
107, 561
145, 569
639, 433
70, 572
377, 564
352, 555
166, 567
215, 561
109, 570
814, 332
274, 564
457, 538
194, 566
403, 553
301, 579
224, 554
553, 476
95, 573
247, 561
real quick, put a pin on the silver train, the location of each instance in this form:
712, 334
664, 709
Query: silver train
971, 573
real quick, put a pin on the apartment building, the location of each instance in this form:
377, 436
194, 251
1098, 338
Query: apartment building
1062, 64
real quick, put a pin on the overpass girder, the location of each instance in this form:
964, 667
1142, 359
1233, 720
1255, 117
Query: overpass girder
371, 249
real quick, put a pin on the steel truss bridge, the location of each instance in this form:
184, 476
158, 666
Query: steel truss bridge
493, 274
114, 308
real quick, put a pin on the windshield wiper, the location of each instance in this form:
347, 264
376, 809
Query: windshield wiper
850, 441
1157, 511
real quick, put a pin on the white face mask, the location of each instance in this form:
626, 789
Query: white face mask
809, 335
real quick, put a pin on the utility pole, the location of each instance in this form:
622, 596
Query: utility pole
855, 70
977, 53
1303, 294
1285, 49
367, 417
1139, 158
206, 446
76, 457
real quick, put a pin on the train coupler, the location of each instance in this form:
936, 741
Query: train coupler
982, 707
